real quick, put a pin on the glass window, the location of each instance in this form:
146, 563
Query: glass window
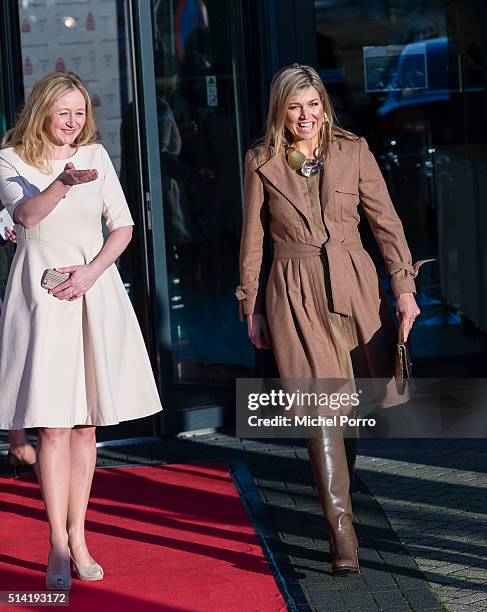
410, 77
90, 39
196, 81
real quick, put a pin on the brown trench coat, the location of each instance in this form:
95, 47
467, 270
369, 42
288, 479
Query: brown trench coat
306, 280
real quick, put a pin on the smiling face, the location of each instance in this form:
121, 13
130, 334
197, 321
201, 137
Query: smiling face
304, 116
66, 118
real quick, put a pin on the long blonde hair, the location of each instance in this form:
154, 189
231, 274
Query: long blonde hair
29, 137
286, 83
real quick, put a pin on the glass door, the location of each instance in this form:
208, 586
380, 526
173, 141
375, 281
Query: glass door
94, 39
411, 78
197, 231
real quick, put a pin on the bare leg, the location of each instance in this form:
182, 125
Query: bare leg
83, 461
54, 463
21, 447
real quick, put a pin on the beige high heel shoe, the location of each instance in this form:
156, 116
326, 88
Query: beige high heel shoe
58, 582
91, 571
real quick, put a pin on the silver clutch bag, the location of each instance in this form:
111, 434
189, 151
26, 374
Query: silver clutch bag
52, 278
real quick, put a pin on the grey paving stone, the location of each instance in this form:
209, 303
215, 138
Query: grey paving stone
379, 579
325, 599
421, 599
472, 598
279, 499
391, 600
359, 601
351, 584
408, 582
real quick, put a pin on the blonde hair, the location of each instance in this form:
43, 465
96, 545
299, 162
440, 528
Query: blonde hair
29, 137
285, 83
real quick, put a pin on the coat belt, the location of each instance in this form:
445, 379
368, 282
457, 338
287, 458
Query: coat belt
338, 265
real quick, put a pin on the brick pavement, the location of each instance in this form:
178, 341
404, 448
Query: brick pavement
433, 493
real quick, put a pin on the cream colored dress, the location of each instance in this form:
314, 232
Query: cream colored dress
69, 363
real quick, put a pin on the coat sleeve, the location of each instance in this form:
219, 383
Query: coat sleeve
251, 291
385, 223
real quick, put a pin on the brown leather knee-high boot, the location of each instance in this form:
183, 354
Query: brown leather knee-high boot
351, 453
330, 470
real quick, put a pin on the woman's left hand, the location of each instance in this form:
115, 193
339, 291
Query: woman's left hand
81, 279
407, 310
10, 233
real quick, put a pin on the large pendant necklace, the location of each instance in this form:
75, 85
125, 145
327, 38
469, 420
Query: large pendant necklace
307, 167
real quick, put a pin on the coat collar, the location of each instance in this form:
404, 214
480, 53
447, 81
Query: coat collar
277, 171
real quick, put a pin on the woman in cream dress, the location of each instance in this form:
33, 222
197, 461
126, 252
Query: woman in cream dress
71, 358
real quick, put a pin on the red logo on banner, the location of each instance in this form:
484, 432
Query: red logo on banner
28, 66
95, 100
60, 65
25, 26
90, 22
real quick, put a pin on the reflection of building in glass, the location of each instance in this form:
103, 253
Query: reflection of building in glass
437, 86
77, 43
394, 67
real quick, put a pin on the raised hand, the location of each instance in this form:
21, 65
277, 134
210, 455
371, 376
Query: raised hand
70, 176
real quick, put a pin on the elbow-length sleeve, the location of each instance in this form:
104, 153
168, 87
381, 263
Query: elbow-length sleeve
251, 291
386, 225
115, 208
12, 188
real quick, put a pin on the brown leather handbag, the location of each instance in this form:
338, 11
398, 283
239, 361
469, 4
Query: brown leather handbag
403, 370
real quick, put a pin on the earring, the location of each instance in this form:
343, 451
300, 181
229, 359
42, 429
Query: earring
321, 136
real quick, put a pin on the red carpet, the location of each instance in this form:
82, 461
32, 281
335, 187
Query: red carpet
171, 538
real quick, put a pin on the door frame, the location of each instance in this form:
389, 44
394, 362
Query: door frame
175, 418
11, 67
151, 187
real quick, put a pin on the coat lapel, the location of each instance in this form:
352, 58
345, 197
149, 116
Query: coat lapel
289, 184
286, 181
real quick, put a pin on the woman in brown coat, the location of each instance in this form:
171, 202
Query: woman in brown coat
321, 307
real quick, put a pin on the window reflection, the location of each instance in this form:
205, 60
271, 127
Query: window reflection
200, 166
410, 77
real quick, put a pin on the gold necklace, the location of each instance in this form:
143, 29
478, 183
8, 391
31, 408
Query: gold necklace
299, 162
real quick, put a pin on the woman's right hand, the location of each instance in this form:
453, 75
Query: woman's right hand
258, 331
70, 176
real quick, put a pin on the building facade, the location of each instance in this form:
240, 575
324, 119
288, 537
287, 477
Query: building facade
180, 90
